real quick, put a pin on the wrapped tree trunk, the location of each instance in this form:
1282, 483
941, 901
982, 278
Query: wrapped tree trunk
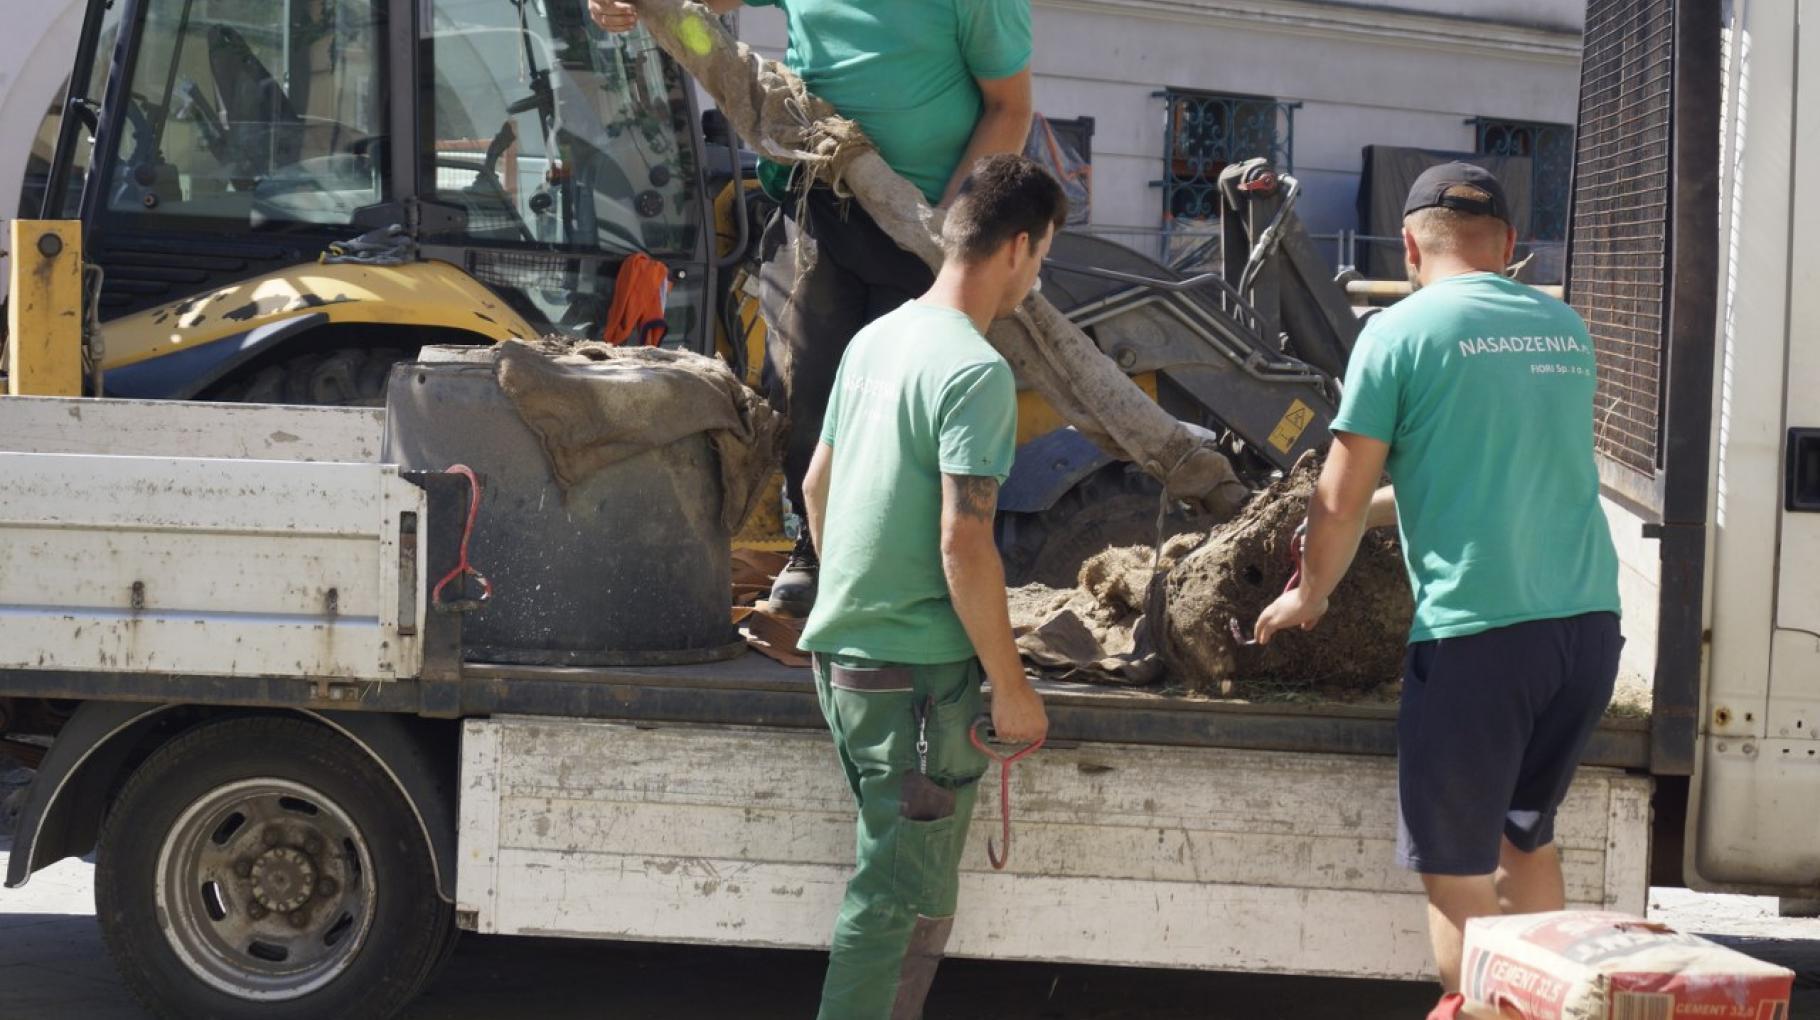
776, 115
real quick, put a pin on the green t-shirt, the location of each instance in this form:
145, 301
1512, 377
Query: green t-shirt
1483, 387
907, 71
919, 394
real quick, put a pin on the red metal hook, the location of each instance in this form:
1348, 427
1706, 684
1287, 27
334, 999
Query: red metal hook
462, 566
1005, 761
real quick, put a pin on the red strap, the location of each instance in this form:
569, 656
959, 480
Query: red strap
639, 294
462, 566
1295, 581
1295, 558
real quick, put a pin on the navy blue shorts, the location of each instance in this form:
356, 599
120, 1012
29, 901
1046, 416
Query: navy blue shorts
1491, 728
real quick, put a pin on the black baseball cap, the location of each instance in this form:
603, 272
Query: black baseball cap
1437, 188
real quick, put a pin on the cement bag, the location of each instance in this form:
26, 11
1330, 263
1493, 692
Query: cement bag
1586, 965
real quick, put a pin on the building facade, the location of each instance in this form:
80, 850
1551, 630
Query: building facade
1175, 89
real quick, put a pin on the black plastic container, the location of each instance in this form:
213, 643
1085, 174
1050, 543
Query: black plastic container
631, 567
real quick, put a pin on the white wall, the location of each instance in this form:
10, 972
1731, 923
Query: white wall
1639, 587
35, 54
1365, 76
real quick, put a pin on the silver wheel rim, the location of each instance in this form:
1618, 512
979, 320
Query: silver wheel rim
265, 889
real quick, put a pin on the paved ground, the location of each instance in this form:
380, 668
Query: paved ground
52, 966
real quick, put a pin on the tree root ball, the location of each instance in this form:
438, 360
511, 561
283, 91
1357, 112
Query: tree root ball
1244, 565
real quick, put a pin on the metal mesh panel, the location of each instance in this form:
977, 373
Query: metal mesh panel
1619, 275
522, 270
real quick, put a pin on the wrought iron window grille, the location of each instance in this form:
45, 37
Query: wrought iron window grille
1550, 149
1205, 131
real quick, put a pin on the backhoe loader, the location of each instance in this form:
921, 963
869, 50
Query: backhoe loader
276, 202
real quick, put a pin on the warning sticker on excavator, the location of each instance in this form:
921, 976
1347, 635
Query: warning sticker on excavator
1295, 422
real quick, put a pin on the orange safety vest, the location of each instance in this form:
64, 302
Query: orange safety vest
640, 292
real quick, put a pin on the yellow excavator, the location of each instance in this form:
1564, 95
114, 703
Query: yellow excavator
277, 200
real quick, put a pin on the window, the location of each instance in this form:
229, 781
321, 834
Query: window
43, 151
551, 133
1065, 147
1550, 148
1204, 132
253, 112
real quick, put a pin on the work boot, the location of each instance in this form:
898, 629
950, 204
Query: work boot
793, 593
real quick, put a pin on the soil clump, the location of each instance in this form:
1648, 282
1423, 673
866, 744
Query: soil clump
1139, 617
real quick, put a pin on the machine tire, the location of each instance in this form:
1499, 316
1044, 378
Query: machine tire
1113, 507
217, 838
342, 377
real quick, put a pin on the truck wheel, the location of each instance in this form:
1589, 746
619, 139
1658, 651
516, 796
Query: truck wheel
1113, 507
345, 377
267, 868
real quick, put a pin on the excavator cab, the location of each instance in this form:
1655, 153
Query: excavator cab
395, 172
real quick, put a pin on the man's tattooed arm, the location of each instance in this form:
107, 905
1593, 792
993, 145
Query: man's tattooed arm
973, 496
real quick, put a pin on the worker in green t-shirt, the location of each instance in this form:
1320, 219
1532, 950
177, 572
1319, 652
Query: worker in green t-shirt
937, 85
1476, 394
902, 490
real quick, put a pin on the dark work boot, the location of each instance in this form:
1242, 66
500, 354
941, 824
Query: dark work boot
793, 593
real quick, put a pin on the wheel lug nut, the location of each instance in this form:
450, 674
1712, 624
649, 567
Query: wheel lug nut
244, 869
312, 845
326, 887
273, 836
256, 911
298, 919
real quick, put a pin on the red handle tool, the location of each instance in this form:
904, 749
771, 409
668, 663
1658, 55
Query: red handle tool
1005, 761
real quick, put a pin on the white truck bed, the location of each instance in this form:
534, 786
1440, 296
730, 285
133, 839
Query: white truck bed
1122, 854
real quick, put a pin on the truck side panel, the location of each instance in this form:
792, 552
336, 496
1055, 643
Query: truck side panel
1145, 856
203, 567
170, 428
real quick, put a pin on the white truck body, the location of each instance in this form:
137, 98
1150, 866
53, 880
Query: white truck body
1758, 762
702, 804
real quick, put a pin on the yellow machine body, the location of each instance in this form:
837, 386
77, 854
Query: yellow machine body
44, 314
417, 294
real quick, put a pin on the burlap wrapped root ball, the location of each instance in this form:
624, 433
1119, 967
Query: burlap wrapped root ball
1243, 566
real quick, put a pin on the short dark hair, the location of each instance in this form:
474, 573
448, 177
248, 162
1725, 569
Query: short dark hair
1003, 197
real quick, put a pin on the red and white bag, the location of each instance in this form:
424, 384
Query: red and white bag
1586, 965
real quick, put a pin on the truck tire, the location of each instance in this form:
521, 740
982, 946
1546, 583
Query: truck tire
343, 377
267, 868
1115, 506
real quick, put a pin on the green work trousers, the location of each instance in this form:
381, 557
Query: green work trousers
901, 732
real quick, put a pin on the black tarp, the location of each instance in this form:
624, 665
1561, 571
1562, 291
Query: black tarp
1384, 183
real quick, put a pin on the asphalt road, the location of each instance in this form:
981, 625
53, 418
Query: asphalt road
52, 966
